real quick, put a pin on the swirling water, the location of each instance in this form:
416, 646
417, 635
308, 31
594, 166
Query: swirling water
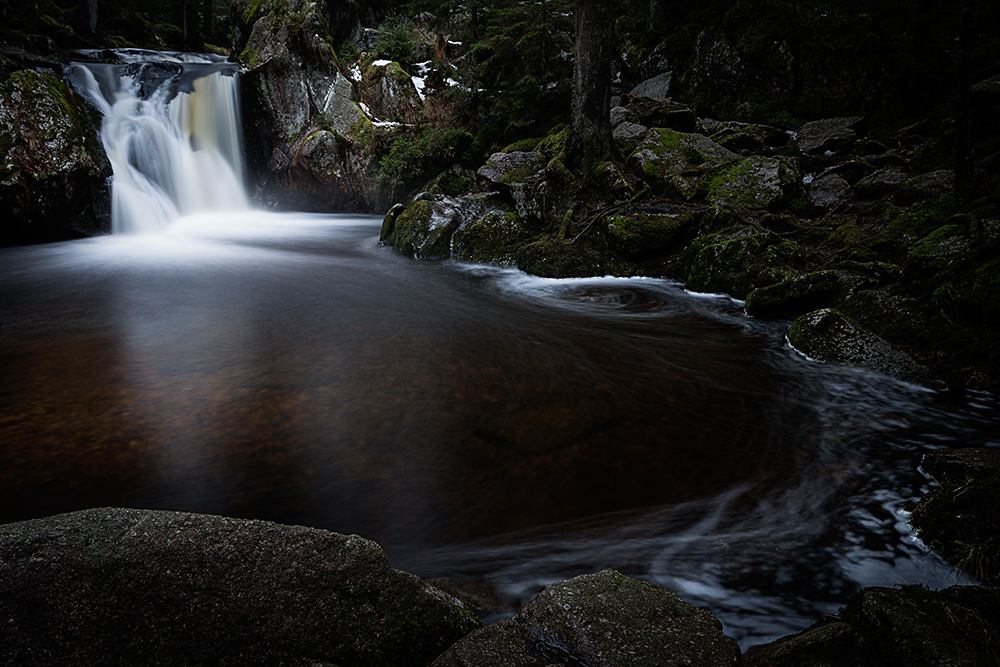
481, 424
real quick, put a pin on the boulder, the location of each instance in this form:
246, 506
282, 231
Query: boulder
599, 620
644, 234
736, 262
738, 136
829, 134
520, 176
830, 190
54, 175
926, 186
390, 92
311, 142
424, 228
881, 182
795, 296
755, 182
621, 114
909, 626
829, 335
676, 162
129, 587
656, 88
628, 135
491, 235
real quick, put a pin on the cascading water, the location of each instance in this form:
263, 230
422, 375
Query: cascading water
171, 130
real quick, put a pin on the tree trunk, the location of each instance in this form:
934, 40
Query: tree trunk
592, 83
92, 10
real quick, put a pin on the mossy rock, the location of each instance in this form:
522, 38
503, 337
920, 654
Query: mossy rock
423, 230
829, 335
52, 166
600, 619
646, 234
494, 237
553, 258
794, 297
737, 262
754, 183
674, 163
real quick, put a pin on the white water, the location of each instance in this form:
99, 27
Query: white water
174, 147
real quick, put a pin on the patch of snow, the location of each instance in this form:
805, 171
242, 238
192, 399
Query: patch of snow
354, 74
807, 179
418, 83
381, 63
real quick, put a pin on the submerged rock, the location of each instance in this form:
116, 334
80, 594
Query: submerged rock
829, 335
599, 620
54, 175
120, 586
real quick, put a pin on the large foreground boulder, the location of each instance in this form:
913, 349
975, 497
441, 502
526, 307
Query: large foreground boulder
598, 620
137, 587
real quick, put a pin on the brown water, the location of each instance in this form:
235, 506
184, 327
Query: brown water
479, 423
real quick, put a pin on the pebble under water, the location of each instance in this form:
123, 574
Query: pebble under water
480, 424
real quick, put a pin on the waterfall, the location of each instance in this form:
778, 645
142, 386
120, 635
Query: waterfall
171, 129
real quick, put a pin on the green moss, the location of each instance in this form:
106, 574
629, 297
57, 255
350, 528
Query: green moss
932, 242
523, 145
493, 238
409, 224
642, 235
558, 259
739, 263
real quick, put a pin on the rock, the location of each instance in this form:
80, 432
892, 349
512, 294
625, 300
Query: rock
598, 620
676, 162
391, 93
656, 88
926, 186
796, 296
621, 114
743, 136
880, 183
755, 182
628, 135
54, 175
829, 335
960, 519
908, 626
668, 115
424, 228
737, 262
389, 223
830, 134
491, 236
503, 169
120, 586
312, 144
958, 466
830, 190
646, 234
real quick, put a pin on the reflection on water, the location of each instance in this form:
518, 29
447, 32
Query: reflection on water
480, 424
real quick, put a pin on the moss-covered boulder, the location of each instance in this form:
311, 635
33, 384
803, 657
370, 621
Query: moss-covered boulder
796, 296
675, 163
960, 519
738, 261
829, 335
390, 92
492, 236
424, 228
645, 234
908, 626
558, 258
53, 170
755, 183
743, 137
142, 587
600, 620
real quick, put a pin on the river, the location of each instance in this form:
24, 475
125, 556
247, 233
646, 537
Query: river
479, 423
